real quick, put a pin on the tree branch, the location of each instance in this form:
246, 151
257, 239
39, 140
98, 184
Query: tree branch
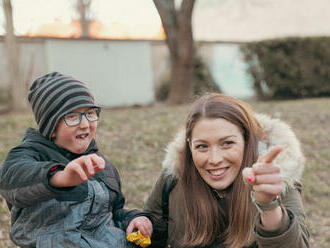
168, 16
187, 7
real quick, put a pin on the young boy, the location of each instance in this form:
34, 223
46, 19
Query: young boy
60, 190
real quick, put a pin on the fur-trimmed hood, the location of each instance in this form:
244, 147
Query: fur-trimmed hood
291, 160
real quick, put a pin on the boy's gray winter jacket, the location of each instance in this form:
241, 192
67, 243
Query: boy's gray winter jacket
88, 215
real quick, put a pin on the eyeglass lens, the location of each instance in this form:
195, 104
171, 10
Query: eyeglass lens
74, 118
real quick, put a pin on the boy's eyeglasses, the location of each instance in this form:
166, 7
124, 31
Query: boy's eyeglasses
74, 118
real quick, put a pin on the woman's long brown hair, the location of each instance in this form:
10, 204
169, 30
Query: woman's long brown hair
204, 221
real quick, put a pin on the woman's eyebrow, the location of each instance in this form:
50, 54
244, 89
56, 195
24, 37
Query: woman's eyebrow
222, 138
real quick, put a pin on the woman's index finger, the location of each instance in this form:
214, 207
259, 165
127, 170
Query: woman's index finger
271, 155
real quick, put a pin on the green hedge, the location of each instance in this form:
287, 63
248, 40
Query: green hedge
289, 68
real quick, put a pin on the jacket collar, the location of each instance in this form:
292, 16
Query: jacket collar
290, 160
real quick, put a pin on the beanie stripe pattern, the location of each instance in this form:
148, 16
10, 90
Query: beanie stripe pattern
52, 96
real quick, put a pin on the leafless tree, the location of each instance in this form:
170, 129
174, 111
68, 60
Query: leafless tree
83, 9
177, 24
17, 91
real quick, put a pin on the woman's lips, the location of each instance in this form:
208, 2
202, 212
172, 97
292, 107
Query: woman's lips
217, 173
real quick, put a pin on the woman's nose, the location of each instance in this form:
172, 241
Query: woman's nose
215, 156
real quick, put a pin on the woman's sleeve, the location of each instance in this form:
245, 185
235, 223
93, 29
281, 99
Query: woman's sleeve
122, 216
293, 232
153, 206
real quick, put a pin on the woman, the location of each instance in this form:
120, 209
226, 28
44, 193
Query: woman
231, 185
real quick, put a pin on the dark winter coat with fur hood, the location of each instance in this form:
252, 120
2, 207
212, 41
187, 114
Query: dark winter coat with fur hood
293, 232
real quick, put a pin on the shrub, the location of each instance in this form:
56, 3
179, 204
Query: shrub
290, 68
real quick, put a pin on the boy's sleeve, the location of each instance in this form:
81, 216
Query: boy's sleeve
24, 180
123, 217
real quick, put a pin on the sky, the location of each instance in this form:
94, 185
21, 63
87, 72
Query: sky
246, 20
139, 16
223, 20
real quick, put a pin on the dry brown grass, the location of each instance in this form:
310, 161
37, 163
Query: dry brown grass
134, 139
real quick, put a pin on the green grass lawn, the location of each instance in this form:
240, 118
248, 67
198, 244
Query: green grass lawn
134, 139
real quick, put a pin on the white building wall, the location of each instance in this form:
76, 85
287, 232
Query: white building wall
3, 65
117, 72
160, 63
225, 62
32, 62
230, 71
123, 72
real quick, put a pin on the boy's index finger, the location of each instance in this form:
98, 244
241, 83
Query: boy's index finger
97, 160
271, 155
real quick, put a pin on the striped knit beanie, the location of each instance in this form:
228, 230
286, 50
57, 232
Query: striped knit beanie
54, 95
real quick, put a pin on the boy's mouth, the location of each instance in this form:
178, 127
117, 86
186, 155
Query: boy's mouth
82, 136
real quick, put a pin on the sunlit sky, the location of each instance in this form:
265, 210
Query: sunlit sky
234, 20
131, 14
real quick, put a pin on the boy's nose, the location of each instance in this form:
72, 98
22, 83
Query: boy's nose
84, 122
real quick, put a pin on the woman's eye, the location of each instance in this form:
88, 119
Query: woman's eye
228, 143
200, 146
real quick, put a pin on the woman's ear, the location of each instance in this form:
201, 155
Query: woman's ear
53, 135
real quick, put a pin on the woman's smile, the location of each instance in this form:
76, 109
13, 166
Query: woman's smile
217, 148
218, 173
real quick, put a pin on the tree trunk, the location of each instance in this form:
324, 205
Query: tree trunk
181, 82
17, 92
178, 29
83, 7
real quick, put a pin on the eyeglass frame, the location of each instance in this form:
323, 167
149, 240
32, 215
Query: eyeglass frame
98, 110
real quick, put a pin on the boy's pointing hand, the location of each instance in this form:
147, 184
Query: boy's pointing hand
78, 171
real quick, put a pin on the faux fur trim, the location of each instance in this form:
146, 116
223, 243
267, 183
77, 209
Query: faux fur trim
291, 160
